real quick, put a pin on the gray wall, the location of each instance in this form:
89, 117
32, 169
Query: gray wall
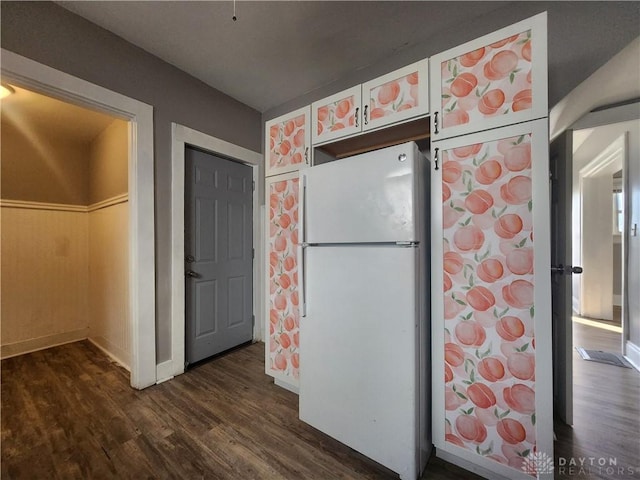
51, 35
582, 36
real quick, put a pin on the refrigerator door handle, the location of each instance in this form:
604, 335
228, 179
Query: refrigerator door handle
301, 283
302, 208
301, 245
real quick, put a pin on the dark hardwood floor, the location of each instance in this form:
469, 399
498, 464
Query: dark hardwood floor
68, 412
606, 414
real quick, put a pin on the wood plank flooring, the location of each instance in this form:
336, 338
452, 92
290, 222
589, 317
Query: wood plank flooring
68, 413
606, 414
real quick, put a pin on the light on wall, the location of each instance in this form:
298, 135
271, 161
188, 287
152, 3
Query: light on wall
6, 90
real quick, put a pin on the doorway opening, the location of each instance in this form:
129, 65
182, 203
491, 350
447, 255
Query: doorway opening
64, 227
181, 138
23, 72
604, 404
598, 239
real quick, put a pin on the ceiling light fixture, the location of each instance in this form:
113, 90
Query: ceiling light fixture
6, 90
234, 18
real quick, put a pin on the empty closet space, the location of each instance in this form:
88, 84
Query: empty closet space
64, 224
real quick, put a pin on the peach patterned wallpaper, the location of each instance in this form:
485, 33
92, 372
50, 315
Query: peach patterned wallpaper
336, 115
284, 319
286, 142
488, 299
395, 96
490, 81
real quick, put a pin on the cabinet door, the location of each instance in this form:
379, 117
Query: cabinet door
499, 79
336, 116
396, 96
281, 352
288, 142
491, 300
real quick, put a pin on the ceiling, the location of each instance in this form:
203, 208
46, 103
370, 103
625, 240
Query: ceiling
275, 51
278, 51
27, 110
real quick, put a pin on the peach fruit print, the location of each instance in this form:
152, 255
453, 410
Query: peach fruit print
336, 116
490, 81
284, 317
488, 299
286, 142
395, 96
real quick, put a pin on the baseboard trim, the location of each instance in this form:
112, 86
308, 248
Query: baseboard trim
632, 354
164, 371
286, 386
114, 353
41, 343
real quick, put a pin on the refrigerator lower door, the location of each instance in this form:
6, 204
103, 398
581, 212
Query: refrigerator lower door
358, 351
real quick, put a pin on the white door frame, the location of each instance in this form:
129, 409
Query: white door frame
40, 78
181, 137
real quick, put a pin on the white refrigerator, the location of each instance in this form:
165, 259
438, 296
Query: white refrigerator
364, 335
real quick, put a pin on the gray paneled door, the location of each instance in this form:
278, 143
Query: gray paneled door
218, 254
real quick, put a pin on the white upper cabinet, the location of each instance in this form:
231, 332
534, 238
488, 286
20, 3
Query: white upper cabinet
287, 143
496, 80
392, 98
337, 116
396, 96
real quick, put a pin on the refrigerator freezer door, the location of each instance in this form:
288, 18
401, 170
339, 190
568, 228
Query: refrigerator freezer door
358, 351
371, 197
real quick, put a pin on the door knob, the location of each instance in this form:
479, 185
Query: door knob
566, 269
192, 274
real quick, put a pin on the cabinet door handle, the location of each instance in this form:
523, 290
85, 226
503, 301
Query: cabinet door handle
435, 157
366, 120
357, 116
435, 123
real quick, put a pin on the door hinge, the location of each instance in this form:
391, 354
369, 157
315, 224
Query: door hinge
253, 253
253, 319
253, 185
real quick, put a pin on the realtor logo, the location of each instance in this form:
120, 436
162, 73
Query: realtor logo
538, 462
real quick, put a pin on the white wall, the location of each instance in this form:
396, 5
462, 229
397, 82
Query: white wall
597, 248
65, 278
108, 275
44, 257
109, 242
65, 267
